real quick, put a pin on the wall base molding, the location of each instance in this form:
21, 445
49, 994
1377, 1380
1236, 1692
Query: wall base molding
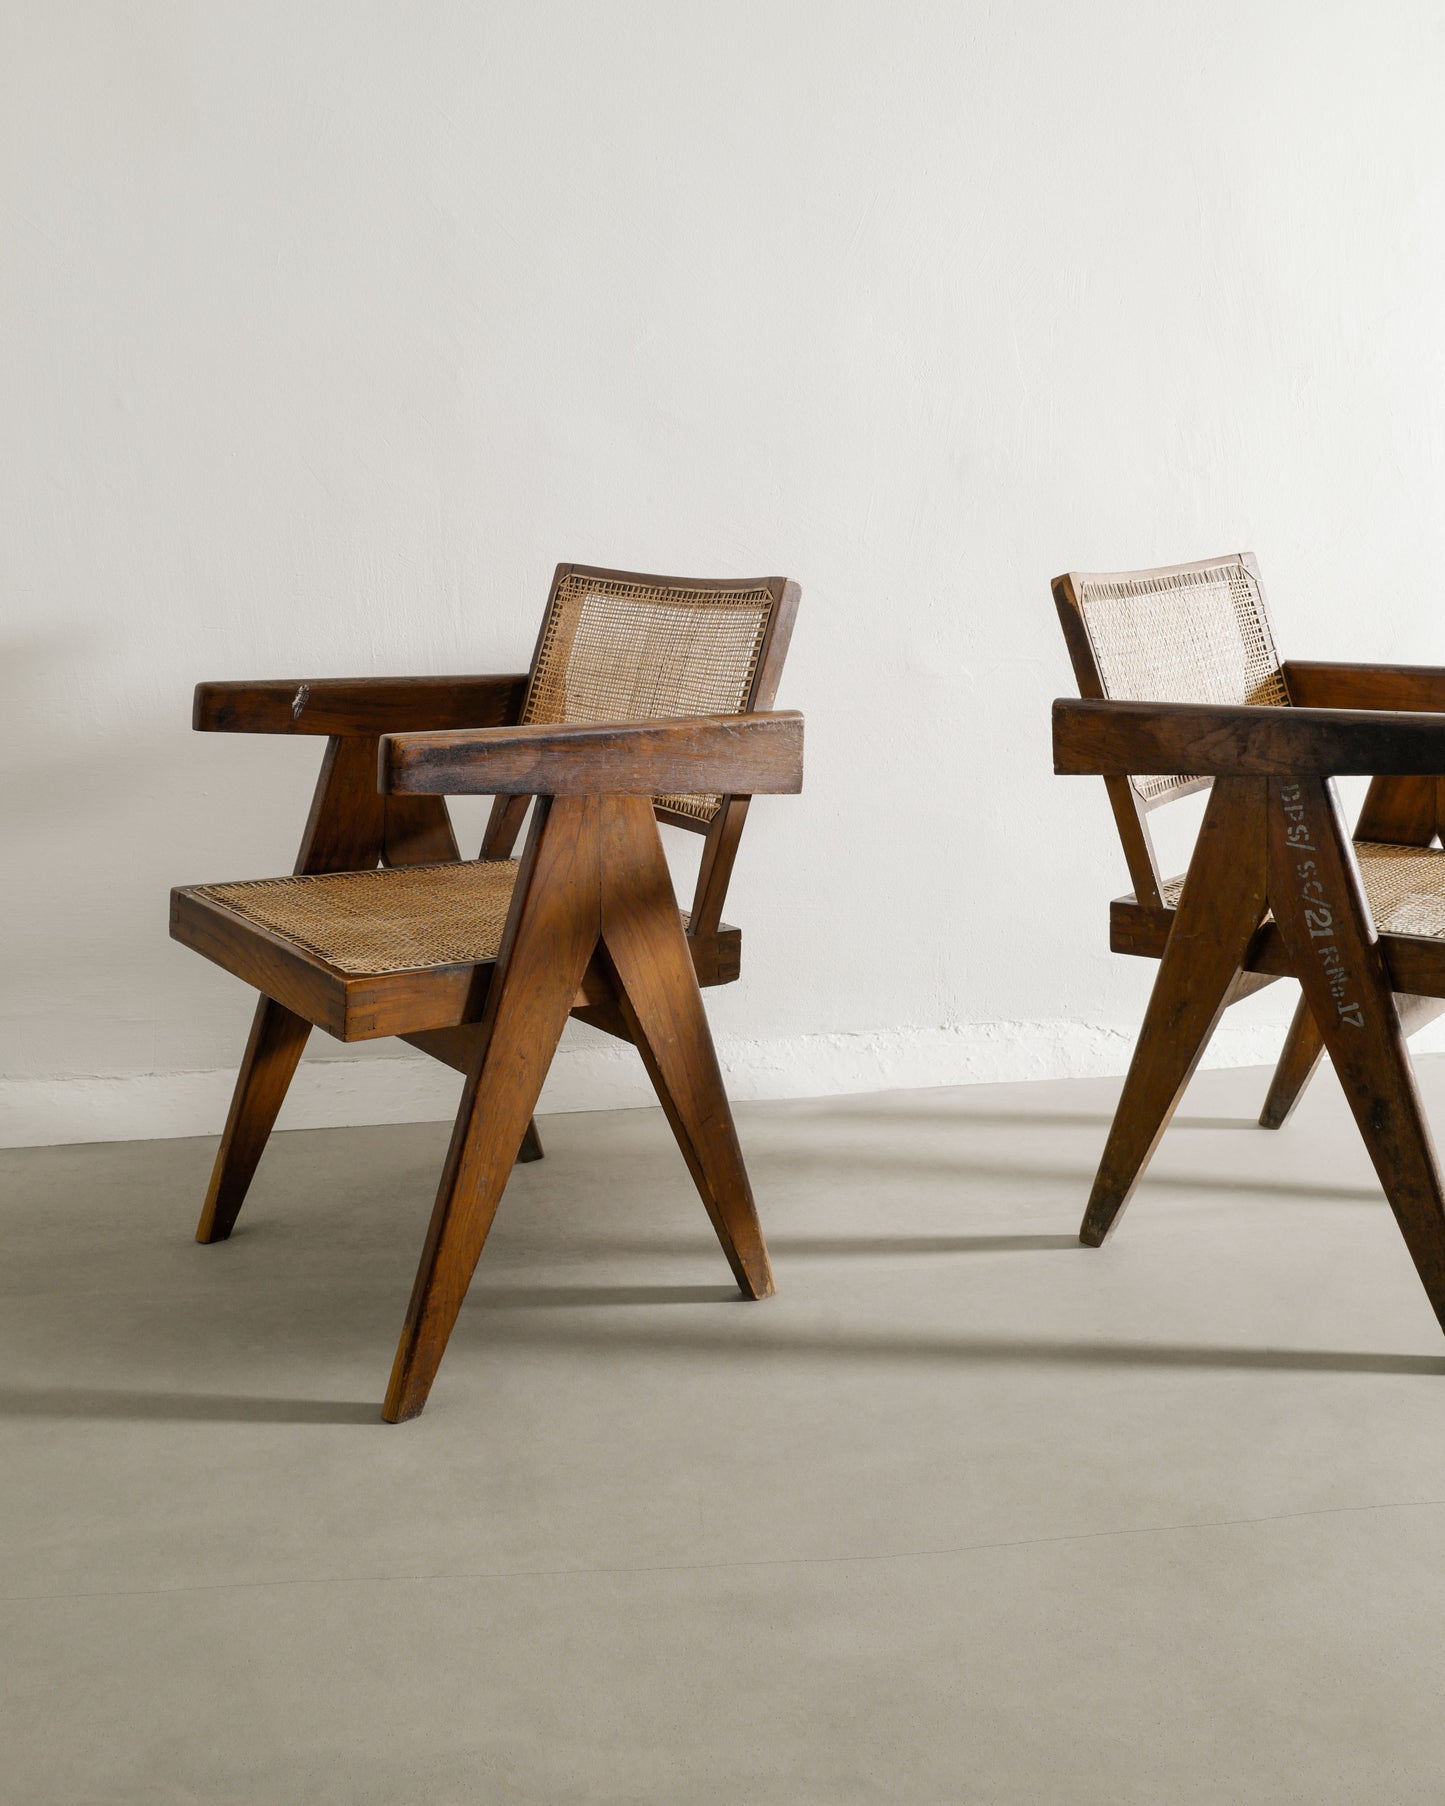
593, 1074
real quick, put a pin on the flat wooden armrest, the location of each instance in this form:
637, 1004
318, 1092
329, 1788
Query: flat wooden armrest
1131, 739
719, 754
357, 705
1323, 685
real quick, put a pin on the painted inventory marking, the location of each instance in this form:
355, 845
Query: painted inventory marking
1318, 913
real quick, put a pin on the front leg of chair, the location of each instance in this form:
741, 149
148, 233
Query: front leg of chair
552, 934
1221, 906
1315, 895
657, 992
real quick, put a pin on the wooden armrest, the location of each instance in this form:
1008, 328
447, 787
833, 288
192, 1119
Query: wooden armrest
357, 705
1129, 739
726, 754
1322, 685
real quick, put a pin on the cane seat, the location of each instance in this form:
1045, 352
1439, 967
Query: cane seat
1405, 888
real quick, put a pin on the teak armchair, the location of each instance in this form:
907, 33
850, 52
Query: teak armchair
649, 699
1178, 673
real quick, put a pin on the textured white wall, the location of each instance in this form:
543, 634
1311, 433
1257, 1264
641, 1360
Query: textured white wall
327, 329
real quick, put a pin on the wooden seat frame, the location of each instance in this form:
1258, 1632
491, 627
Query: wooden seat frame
1273, 890
593, 931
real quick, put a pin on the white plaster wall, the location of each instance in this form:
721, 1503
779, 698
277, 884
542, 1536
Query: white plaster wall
325, 330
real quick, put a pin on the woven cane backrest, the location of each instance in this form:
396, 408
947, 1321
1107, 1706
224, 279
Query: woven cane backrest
1197, 633
624, 649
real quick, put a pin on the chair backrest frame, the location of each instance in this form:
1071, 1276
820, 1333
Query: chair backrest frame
1132, 804
723, 830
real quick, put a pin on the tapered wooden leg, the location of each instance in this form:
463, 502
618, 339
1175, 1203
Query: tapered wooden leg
1303, 1049
1317, 901
343, 833
1221, 906
531, 1148
277, 1039
552, 934
657, 992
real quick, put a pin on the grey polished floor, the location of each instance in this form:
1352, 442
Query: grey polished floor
965, 1513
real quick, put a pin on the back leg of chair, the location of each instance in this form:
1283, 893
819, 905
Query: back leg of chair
272, 1053
1303, 1049
657, 992
1221, 906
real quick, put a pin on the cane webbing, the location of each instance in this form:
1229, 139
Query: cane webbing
621, 651
1196, 635
1405, 887
392, 919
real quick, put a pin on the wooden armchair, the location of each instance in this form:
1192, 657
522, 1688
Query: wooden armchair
649, 699
1179, 676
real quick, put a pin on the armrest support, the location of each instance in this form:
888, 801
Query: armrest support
1320, 684
1126, 739
357, 705
732, 754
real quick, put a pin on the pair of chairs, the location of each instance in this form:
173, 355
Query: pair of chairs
649, 700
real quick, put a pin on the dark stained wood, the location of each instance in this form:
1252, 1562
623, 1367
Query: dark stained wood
1400, 810
365, 1007
551, 935
1416, 963
1397, 810
750, 753
498, 1021
504, 825
1416, 1012
607, 1017
343, 831
715, 868
347, 822
418, 831
457, 1048
273, 966
1320, 684
659, 999
278, 1037
1362, 993
357, 705
1317, 901
1113, 739
1222, 902
1303, 1049
454, 1047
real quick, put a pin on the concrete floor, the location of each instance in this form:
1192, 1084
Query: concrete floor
965, 1513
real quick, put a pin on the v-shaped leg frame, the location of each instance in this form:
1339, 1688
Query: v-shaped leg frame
1315, 894
1280, 844
593, 881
